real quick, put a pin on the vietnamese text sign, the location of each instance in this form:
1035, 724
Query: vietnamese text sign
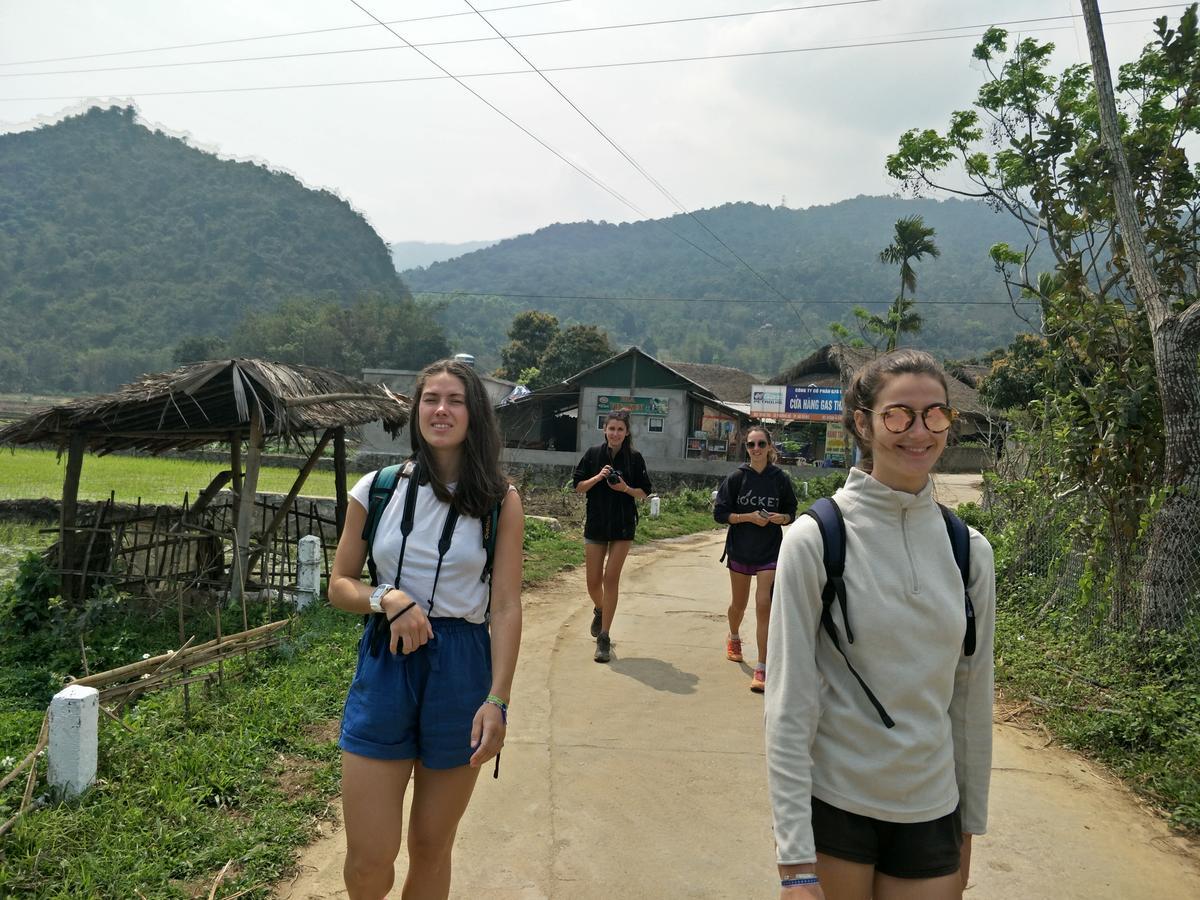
835, 439
813, 404
635, 406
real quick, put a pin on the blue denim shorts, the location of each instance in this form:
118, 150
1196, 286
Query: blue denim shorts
420, 705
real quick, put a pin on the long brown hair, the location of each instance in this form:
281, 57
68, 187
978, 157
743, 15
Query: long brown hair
624, 453
481, 482
772, 453
868, 381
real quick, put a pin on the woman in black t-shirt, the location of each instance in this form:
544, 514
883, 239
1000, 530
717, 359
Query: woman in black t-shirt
613, 476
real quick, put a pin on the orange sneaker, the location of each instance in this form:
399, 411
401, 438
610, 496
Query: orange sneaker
733, 649
758, 683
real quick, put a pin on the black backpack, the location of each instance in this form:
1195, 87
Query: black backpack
829, 519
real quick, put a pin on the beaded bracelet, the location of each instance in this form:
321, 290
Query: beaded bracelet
801, 878
497, 702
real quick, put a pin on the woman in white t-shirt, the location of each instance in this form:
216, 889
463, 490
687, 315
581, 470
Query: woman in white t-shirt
429, 700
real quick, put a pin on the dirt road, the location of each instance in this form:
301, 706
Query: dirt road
645, 778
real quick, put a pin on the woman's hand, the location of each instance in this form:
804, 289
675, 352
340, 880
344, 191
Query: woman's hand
410, 630
604, 473
619, 485
487, 733
779, 518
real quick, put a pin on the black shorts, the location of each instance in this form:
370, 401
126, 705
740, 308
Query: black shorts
901, 850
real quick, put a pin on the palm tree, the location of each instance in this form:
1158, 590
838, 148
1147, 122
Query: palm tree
912, 241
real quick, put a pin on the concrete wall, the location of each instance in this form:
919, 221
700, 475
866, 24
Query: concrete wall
667, 444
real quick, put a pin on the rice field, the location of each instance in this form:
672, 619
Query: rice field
30, 474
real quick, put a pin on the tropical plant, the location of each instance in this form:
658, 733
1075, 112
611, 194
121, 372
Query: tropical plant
1126, 389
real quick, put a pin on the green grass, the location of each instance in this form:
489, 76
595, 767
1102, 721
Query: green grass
37, 473
176, 800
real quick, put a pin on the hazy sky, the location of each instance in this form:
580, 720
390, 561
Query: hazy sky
426, 160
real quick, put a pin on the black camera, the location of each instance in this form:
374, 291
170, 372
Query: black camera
614, 475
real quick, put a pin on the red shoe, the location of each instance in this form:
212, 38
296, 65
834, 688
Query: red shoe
758, 683
733, 649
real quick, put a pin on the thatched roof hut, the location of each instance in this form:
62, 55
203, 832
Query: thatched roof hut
210, 402
231, 401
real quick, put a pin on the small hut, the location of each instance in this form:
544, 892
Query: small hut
240, 403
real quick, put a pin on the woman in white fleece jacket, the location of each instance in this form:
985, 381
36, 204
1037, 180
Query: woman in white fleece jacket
874, 811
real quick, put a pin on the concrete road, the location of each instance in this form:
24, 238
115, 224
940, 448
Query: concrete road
645, 778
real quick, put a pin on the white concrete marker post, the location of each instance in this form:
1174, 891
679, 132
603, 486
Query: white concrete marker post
308, 576
74, 712
654, 505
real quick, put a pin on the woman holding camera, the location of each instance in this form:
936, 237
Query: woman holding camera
613, 476
756, 500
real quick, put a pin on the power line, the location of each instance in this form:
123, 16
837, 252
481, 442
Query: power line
741, 300
582, 171
645, 174
572, 68
446, 43
267, 37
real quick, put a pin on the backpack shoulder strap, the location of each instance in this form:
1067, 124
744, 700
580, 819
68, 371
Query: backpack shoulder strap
383, 486
491, 524
828, 516
960, 543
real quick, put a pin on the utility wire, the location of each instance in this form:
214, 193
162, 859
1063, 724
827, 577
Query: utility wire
582, 171
740, 300
446, 43
572, 68
642, 171
266, 37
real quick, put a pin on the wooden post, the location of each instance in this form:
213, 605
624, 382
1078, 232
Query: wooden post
339, 476
68, 514
290, 499
245, 508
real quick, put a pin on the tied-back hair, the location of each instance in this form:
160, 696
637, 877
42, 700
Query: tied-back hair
481, 481
772, 453
868, 381
623, 458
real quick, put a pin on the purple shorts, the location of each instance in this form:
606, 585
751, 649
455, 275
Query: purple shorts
747, 569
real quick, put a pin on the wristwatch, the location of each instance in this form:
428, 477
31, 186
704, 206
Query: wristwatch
377, 597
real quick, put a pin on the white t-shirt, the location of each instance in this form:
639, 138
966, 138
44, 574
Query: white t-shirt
460, 593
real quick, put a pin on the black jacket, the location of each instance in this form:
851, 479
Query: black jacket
747, 491
611, 515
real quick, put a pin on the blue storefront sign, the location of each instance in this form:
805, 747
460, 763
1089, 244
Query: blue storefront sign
813, 404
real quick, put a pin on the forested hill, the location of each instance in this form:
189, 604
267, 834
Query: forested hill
825, 258
117, 241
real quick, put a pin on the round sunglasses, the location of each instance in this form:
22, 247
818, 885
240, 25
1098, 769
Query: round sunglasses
899, 418
759, 444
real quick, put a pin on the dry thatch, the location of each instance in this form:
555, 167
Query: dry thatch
212, 401
833, 364
726, 383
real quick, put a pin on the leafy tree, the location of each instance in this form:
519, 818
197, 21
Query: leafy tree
572, 350
529, 336
1125, 399
1018, 376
